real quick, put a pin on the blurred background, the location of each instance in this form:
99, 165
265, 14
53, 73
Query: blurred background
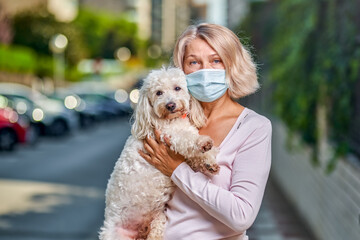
70, 71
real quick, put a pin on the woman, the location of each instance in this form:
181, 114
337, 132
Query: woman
219, 69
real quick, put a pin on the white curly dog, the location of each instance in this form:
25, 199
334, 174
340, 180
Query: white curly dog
137, 192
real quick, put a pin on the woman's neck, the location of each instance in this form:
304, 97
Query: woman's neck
218, 107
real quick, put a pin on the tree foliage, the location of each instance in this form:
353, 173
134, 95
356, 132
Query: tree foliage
314, 56
92, 34
103, 33
35, 28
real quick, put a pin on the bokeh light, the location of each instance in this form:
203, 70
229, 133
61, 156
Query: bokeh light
121, 95
134, 95
154, 51
38, 114
58, 43
11, 115
3, 101
71, 102
123, 54
21, 107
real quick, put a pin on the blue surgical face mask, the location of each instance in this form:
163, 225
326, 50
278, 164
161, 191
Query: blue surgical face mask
207, 85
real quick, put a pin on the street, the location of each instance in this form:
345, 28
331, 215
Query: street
56, 189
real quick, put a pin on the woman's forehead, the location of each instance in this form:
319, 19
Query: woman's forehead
199, 47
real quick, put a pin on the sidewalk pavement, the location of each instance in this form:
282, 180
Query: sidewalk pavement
277, 219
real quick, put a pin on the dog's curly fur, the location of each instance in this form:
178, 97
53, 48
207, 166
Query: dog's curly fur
137, 192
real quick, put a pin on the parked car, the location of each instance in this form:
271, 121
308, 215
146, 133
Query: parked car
25, 110
53, 117
106, 104
12, 129
87, 113
109, 101
121, 96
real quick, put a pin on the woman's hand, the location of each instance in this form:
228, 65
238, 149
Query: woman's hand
160, 155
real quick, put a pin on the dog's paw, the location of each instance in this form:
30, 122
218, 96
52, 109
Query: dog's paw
205, 143
212, 168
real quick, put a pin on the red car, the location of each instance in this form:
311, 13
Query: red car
12, 130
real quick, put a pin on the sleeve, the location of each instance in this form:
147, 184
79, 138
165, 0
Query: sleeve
237, 207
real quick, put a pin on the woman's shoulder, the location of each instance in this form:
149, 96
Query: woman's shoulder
254, 120
248, 126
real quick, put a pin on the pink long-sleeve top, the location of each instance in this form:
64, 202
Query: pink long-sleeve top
223, 206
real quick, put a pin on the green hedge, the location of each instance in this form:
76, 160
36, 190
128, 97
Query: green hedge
23, 60
17, 59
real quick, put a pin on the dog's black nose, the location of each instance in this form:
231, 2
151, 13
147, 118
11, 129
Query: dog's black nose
171, 106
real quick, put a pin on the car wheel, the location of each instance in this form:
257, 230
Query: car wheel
59, 127
8, 139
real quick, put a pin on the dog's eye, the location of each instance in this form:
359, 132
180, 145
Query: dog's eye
159, 93
177, 88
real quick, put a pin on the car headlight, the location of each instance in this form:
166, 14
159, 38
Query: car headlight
71, 102
38, 114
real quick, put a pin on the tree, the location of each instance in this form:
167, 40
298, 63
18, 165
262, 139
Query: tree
313, 55
35, 28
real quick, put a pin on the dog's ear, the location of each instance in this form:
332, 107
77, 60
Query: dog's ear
196, 116
143, 117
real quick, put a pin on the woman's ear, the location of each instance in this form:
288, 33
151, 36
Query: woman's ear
196, 116
143, 122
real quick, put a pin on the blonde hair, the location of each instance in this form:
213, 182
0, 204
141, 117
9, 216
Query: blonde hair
239, 66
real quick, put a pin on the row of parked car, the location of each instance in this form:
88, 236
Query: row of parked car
27, 114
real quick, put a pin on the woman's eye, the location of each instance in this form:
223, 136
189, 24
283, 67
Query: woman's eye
193, 62
217, 61
159, 93
177, 88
